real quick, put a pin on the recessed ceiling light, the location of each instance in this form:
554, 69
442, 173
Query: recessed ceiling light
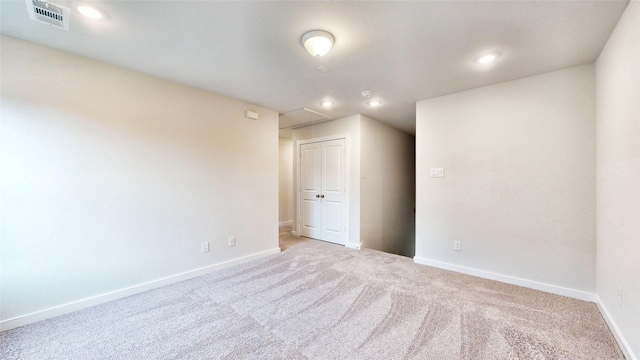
327, 103
90, 12
374, 102
487, 58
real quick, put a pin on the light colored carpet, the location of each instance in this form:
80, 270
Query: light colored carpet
322, 301
287, 240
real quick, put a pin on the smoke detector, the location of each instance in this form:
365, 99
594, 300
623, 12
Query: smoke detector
48, 13
367, 93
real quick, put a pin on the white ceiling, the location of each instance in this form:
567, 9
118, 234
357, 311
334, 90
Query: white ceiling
402, 51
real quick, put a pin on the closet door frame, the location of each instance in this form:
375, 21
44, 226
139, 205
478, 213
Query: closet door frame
347, 167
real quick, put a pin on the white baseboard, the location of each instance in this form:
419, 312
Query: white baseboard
286, 223
356, 246
558, 290
118, 294
622, 342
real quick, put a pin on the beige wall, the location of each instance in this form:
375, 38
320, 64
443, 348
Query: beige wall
519, 185
618, 176
111, 179
387, 185
285, 203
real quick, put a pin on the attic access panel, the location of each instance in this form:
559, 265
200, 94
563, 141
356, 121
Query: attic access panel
301, 117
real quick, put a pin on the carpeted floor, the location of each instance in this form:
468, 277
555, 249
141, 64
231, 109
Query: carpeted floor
287, 239
322, 301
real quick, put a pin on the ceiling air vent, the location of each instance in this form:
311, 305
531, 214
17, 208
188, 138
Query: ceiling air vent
48, 13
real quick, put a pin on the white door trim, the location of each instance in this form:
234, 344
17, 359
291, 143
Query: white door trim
347, 146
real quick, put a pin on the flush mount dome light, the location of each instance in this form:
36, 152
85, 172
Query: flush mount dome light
317, 42
89, 12
327, 103
487, 57
374, 103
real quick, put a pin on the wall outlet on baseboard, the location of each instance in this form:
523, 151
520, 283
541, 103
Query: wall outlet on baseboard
205, 247
232, 241
457, 245
619, 297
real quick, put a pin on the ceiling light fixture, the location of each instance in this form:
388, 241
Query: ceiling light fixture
487, 58
327, 103
317, 42
89, 12
374, 103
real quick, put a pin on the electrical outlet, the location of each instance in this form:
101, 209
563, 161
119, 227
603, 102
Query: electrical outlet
232, 241
619, 297
205, 246
457, 245
437, 172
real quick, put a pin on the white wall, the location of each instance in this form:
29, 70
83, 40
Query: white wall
285, 203
111, 178
387, 186
618, 176
348, 125
519, 185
